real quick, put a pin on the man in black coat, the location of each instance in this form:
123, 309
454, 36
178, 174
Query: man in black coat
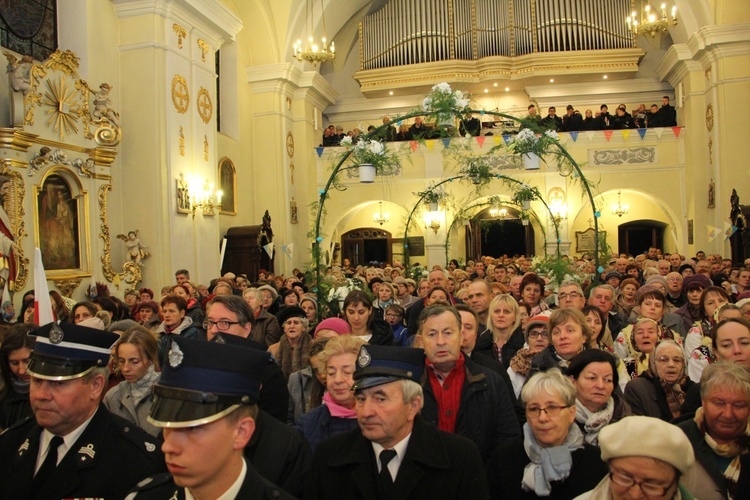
552, 121
572, 121
73, 447
667, 114
394, 454
206, 403
459, 395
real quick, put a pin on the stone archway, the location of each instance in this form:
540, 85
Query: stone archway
365, 245
489, 235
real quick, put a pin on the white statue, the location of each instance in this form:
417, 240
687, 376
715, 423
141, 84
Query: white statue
20, 73
102, 105
136, 250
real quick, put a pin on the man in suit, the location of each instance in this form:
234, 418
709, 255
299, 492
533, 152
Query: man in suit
394, 454
72, 446
206, 402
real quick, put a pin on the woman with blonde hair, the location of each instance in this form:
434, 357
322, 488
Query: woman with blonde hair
569, 334
137, 359
337, 414
504, 335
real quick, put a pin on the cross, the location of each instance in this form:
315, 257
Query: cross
204, 105
180, 92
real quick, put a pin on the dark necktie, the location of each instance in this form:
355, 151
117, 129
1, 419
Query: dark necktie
386, 481
49, 464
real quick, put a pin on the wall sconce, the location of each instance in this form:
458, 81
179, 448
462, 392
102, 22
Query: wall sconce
620, 209
498, 213
204, 196
559, 212
432, 221
380, 217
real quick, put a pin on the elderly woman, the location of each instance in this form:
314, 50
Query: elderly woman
292, 351
650, 304
625, 300
697, 343
337, 413
648, 467
504, 335
660, 391
532, 293
306, 386
536, 338
266, 329
569, 335
594, 373
719, 434
552, 460
643, 341
136, 357
15, 354
358, 312
147, 312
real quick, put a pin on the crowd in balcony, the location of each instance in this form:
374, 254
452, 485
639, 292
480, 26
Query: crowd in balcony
571, 121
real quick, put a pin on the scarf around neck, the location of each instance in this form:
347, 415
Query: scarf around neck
521, 362
141, 389
593, 422
548, 464
336, 409
733, 450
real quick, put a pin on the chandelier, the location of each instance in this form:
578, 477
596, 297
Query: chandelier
651, 23
380, 217
314, 52
620, 209
498, 213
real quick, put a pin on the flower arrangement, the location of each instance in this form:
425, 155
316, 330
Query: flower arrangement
445, 102
557, 270
524, 192
478, 171
528, 141
373, 152
432, 196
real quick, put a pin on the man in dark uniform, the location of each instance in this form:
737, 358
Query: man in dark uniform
72, 446
394, 454
206, 401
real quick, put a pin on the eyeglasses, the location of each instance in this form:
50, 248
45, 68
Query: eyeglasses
674, 280
392, 315
666, 359
571, 295
538, 333
649, 488
551, 411
221, 324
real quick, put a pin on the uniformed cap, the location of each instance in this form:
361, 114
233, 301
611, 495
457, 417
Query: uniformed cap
378, 364
65, 351
204, 381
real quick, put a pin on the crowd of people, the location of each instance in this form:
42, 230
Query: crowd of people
571, 121
476, 381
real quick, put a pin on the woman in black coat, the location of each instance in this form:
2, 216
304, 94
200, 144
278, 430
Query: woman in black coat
14, 358
552, 460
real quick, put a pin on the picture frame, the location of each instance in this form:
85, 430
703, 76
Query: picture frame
228, 185
62, 226
182, 196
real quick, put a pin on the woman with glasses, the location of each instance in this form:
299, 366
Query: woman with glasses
136, 358
394, 316
292, 351
660, 391
594, 373
552, 459
537, 339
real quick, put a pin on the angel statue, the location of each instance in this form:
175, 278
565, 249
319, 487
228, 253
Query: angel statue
102, 105
136, 249
20, 72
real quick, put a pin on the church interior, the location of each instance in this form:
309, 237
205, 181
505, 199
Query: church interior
146, 136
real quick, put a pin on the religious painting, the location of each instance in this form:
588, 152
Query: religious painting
59, 218
228, 186
183, 196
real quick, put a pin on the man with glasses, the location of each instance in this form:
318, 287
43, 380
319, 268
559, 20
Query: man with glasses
674, 290
646, 458
459, 395
570, 294
279, 453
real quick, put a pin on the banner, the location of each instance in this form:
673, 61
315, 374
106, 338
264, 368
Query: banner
269, 250
42, 304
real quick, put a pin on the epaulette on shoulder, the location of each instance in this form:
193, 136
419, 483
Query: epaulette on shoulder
18, 424
143, 440
150, 483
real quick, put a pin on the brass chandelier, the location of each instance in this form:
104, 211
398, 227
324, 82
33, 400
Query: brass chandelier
314, 52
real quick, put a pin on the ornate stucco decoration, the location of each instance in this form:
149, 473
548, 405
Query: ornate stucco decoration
14, 208
181, 34
131, 271
47, 156
625, 156
65, 101
204, 49
180, 94
67, 286
204, 105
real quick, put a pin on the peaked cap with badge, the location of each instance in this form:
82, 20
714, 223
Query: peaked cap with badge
64, 351
204, 381
380, 364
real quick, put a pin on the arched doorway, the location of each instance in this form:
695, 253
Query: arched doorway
494, 235
637, 236
365, 245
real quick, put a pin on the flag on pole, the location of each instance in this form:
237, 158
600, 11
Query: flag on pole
43, 313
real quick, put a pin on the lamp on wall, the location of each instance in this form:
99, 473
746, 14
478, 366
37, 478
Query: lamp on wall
651, 23
498, 213
432, 221
312, 51
204, 196
559, 212
620, 209
380, 217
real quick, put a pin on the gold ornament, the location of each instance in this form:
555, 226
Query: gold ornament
290, 144
204, 49
181, 33
180, 94
205, 107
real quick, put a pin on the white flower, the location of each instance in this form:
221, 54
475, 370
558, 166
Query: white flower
552, 135
346, 141
442, 87
458, 94
361, 144
461, 103
426, 103
376, 148
526, 135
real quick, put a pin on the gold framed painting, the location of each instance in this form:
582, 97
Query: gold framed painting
228, 186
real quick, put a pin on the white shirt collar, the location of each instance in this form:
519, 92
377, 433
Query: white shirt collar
68, 441
395, 463
233, 491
